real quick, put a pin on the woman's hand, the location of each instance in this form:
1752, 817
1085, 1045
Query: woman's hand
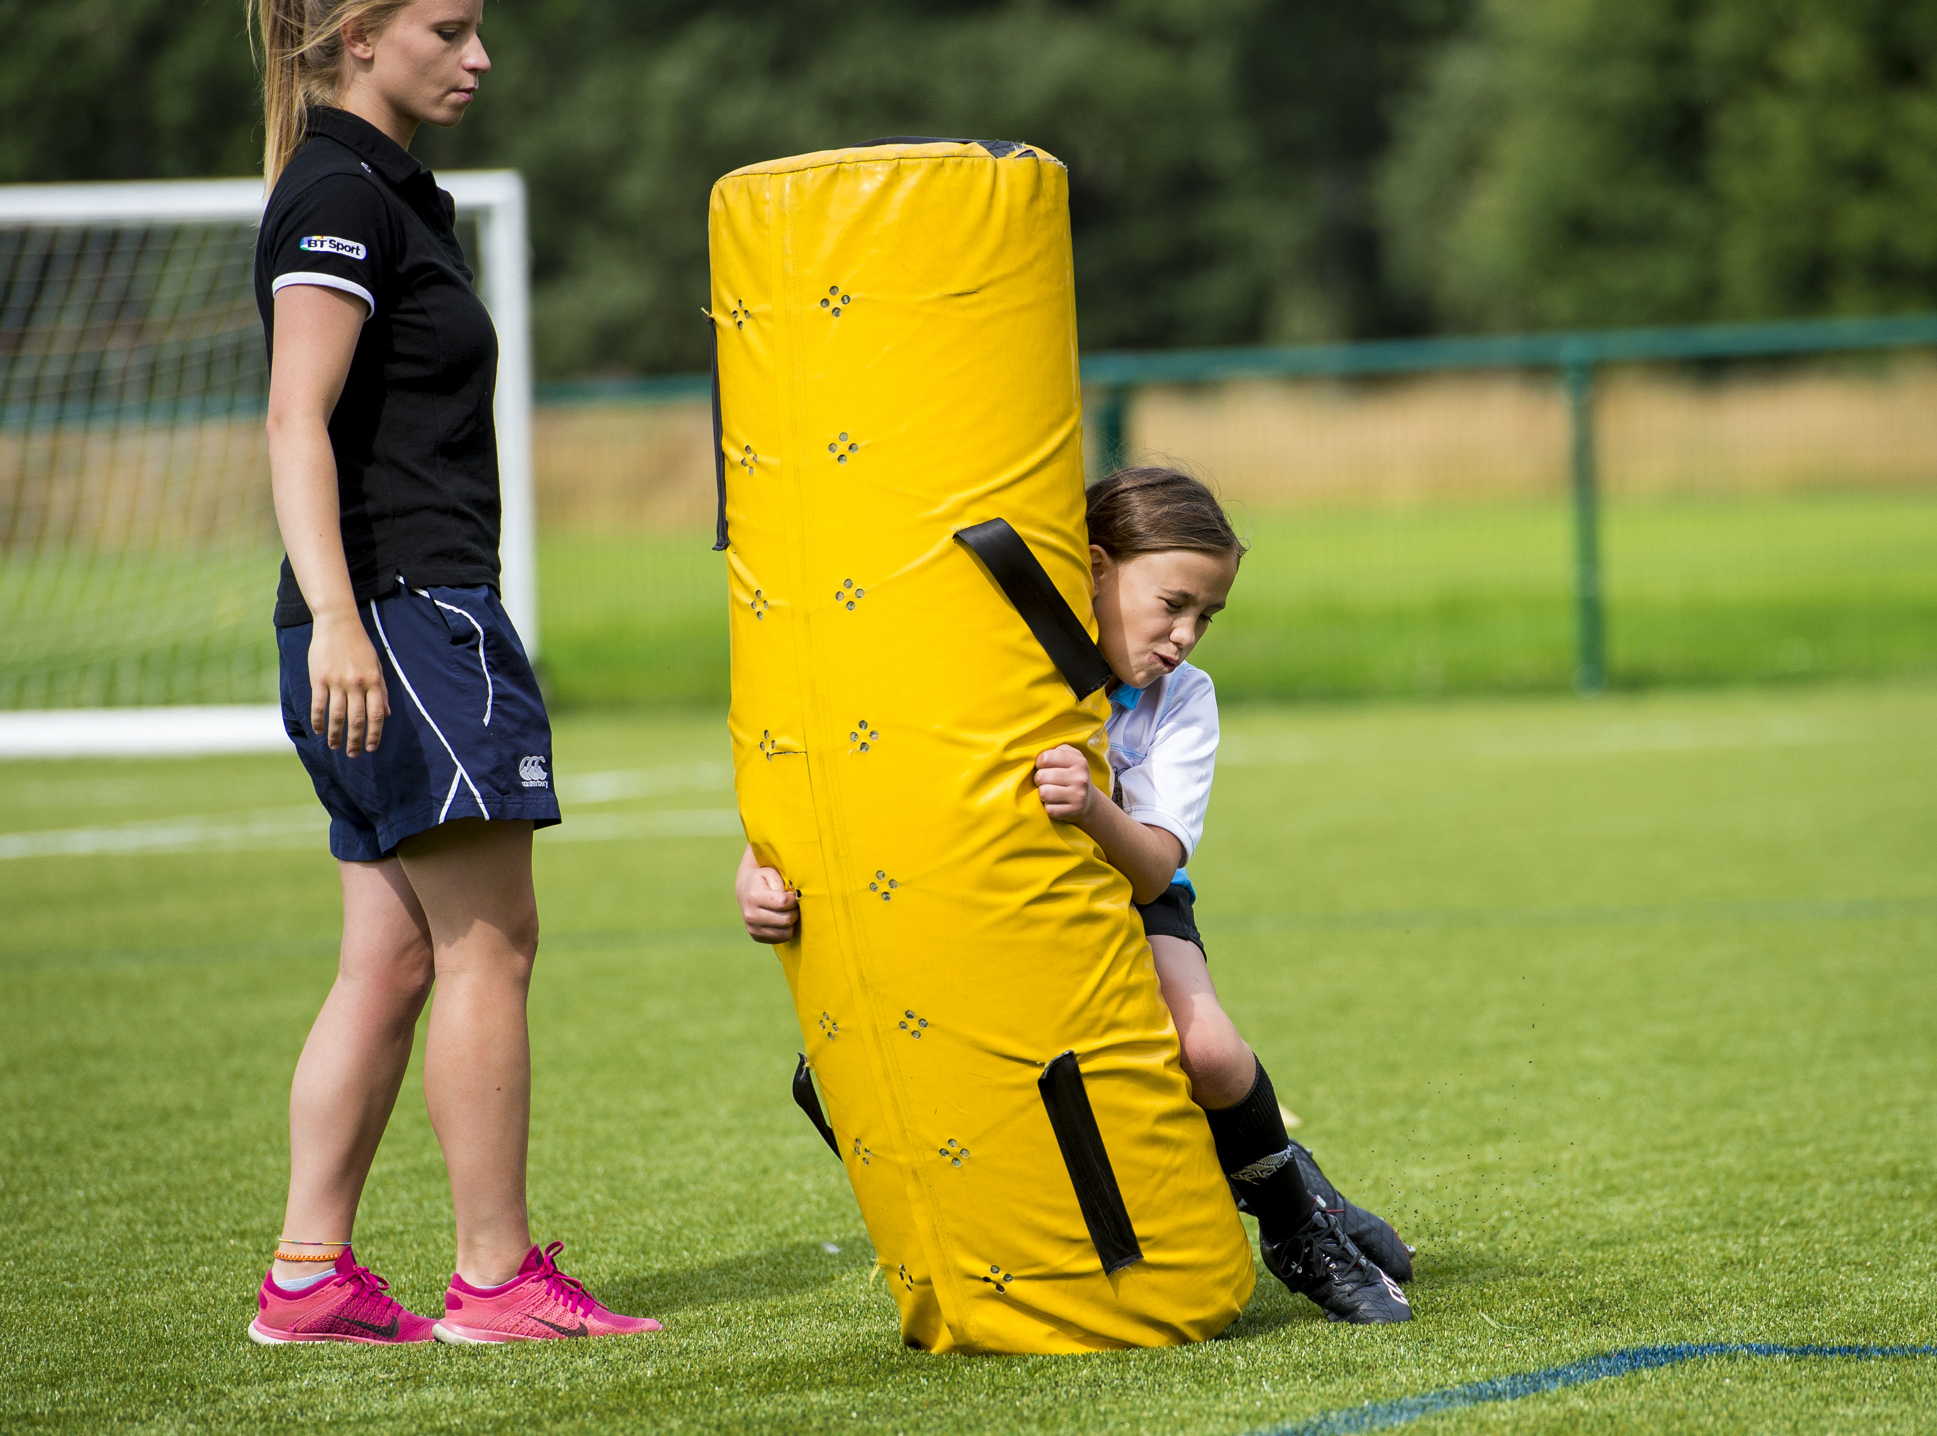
769, 908
1063, 784
348, 701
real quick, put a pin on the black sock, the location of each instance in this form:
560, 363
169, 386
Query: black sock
1254, 1150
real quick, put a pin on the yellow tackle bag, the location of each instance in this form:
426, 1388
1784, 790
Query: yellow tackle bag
900, 460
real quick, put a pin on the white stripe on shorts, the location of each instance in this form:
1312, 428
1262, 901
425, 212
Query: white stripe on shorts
453, 608
450, 797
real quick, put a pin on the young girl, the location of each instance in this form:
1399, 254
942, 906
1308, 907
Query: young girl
383, 467
1163, 558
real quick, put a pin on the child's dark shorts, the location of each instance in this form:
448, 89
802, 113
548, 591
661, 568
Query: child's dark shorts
1173, 914
467, 735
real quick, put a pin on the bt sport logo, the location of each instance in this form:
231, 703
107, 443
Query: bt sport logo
330, 244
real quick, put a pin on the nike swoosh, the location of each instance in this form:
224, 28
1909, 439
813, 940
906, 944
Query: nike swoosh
371, 1326
580, 1330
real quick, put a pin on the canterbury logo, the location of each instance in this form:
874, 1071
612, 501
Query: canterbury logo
330, 244
531, 772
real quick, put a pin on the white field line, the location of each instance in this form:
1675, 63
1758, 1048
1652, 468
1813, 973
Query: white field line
1664, 738
276, 827
618, 784
1280, 752
680, 823
99, 789
1637, 738
286, 828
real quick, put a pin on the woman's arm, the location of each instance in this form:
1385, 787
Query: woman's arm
1147, 856
315, 336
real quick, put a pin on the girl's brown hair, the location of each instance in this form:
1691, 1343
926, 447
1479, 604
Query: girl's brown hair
302, 63
1153, 510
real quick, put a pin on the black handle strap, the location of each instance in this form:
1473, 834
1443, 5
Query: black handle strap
1019, 575
1097, 1195
808, 1100
719, 452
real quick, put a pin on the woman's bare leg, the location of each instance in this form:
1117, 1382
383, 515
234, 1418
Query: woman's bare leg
473, 880
354, 1059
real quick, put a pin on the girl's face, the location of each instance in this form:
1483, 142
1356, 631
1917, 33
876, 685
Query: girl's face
1152, 608
423, 67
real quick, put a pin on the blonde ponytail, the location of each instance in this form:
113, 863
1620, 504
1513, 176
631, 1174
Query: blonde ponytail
301, 57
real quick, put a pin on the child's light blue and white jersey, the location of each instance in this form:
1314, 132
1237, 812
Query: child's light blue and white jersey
1163, 747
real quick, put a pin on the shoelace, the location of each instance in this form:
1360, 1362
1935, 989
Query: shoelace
1331, 1246
367, 1283
569, 1290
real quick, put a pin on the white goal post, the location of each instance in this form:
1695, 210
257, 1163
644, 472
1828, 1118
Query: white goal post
137, 545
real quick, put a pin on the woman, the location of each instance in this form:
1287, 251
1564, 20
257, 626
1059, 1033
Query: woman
404, 687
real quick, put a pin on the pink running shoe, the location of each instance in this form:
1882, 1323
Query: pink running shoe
350, 1305
540, 1303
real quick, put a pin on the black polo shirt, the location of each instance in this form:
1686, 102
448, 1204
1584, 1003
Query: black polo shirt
416, 449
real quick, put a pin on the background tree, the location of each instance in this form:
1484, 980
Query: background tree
1241, 171
1608, 162
1222, 156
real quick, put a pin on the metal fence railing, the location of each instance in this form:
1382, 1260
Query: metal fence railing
1574, 357
1436, 511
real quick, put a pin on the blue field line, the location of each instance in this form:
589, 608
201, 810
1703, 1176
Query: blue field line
1381, 1415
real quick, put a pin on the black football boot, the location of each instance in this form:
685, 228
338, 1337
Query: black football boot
1321, 1262
1372, 1234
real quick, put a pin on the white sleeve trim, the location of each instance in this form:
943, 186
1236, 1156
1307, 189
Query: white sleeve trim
1169, 822
325, 281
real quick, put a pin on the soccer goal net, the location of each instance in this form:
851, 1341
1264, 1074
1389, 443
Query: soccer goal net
138, 543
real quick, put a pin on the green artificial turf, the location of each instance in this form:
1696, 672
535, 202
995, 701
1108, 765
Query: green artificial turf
1622, 1010
1335, 601
1362, 601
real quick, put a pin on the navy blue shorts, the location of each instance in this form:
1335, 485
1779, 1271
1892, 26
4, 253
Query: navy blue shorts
467, 735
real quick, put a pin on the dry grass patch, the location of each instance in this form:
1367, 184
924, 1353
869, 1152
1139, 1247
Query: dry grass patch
1427, 439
